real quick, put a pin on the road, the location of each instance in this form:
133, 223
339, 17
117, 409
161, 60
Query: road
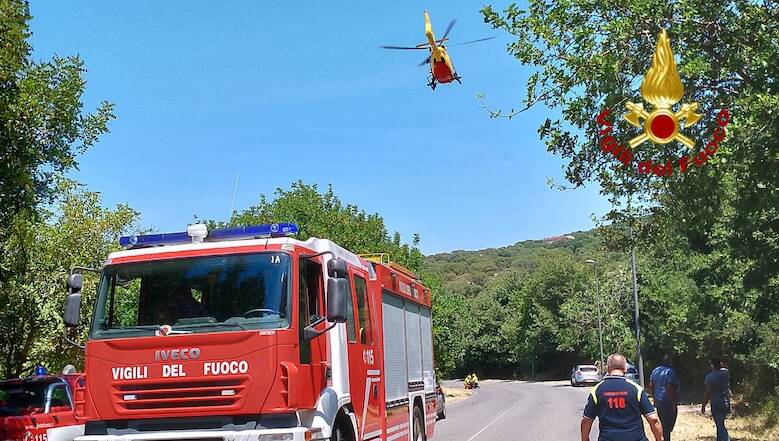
513, 410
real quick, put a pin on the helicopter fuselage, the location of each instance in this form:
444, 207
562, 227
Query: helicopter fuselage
441, 68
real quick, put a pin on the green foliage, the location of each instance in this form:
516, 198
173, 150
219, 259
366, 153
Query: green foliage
448, 327
528, 306
324, 215
42, 130
470, 272
709, 238
42, 123
77, 232
591, 54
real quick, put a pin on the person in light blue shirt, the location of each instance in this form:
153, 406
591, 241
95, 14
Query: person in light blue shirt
664, 384
717, 391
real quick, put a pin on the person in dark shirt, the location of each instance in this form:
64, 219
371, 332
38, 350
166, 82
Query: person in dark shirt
717, 391
664, 384
619, 404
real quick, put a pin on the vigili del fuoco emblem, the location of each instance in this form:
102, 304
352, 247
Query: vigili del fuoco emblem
662, 88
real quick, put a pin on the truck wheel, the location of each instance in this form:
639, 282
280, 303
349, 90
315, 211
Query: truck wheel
342, 430
419, 425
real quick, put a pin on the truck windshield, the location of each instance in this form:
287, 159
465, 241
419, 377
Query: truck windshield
193, 295
22, 399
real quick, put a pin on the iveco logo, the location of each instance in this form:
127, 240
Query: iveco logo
177, 354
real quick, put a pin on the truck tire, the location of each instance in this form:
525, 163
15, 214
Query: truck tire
419, 425
342, 430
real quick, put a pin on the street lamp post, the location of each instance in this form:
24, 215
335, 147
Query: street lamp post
600, 322
635, 307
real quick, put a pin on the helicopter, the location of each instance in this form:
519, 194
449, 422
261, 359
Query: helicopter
441, 67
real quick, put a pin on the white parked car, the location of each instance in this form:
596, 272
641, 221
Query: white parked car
584, 374
632, 373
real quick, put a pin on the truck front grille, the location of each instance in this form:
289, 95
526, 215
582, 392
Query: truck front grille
180, 394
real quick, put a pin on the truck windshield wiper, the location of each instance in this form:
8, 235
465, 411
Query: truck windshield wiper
129, 329
214, 325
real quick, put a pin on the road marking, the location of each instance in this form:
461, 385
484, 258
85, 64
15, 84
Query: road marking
493, 421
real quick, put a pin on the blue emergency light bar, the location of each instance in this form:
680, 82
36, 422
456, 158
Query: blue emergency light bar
154, 239
195, 235
272, 230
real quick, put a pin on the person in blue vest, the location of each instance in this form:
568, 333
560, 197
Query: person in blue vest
717, 391
619, 404
664, 384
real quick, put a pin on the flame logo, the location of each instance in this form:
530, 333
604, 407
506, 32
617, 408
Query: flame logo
662, 86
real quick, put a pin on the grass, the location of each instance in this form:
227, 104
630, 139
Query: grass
692, 426
455, 394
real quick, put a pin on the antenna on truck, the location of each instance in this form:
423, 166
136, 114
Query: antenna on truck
232, 202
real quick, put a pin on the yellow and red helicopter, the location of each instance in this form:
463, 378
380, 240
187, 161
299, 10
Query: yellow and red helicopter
441, 67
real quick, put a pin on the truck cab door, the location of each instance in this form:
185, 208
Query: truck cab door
313, 353
364, 374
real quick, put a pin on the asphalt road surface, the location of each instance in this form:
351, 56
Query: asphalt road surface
515, 411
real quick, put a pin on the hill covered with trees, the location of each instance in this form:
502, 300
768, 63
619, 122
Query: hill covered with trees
531, 308
469, 272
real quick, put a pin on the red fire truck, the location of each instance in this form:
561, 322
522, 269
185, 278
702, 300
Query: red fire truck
39, 407
249, 334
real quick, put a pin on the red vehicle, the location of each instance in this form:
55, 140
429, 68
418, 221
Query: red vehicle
246, 333
39, 408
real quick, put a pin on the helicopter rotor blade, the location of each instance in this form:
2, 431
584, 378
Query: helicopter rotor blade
448, 29
403, 47
472, 41
427, 61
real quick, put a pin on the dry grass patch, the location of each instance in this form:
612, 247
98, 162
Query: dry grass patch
692, 426
455, 394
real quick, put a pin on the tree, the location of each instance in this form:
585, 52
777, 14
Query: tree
42, 123
590, 54
449, 327
710, 235
579, 315
77, 231
324, 215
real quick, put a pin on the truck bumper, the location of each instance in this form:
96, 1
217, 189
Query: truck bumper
286, 434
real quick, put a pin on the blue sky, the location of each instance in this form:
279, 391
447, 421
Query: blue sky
284, 91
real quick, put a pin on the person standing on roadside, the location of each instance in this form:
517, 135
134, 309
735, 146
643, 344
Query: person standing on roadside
717, 391
619, 404
664, 384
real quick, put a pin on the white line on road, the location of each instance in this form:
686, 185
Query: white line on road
492, 422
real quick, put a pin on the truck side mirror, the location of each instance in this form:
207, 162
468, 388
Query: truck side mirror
73, 302
75, 282
72, 310
337, 290
337, 268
